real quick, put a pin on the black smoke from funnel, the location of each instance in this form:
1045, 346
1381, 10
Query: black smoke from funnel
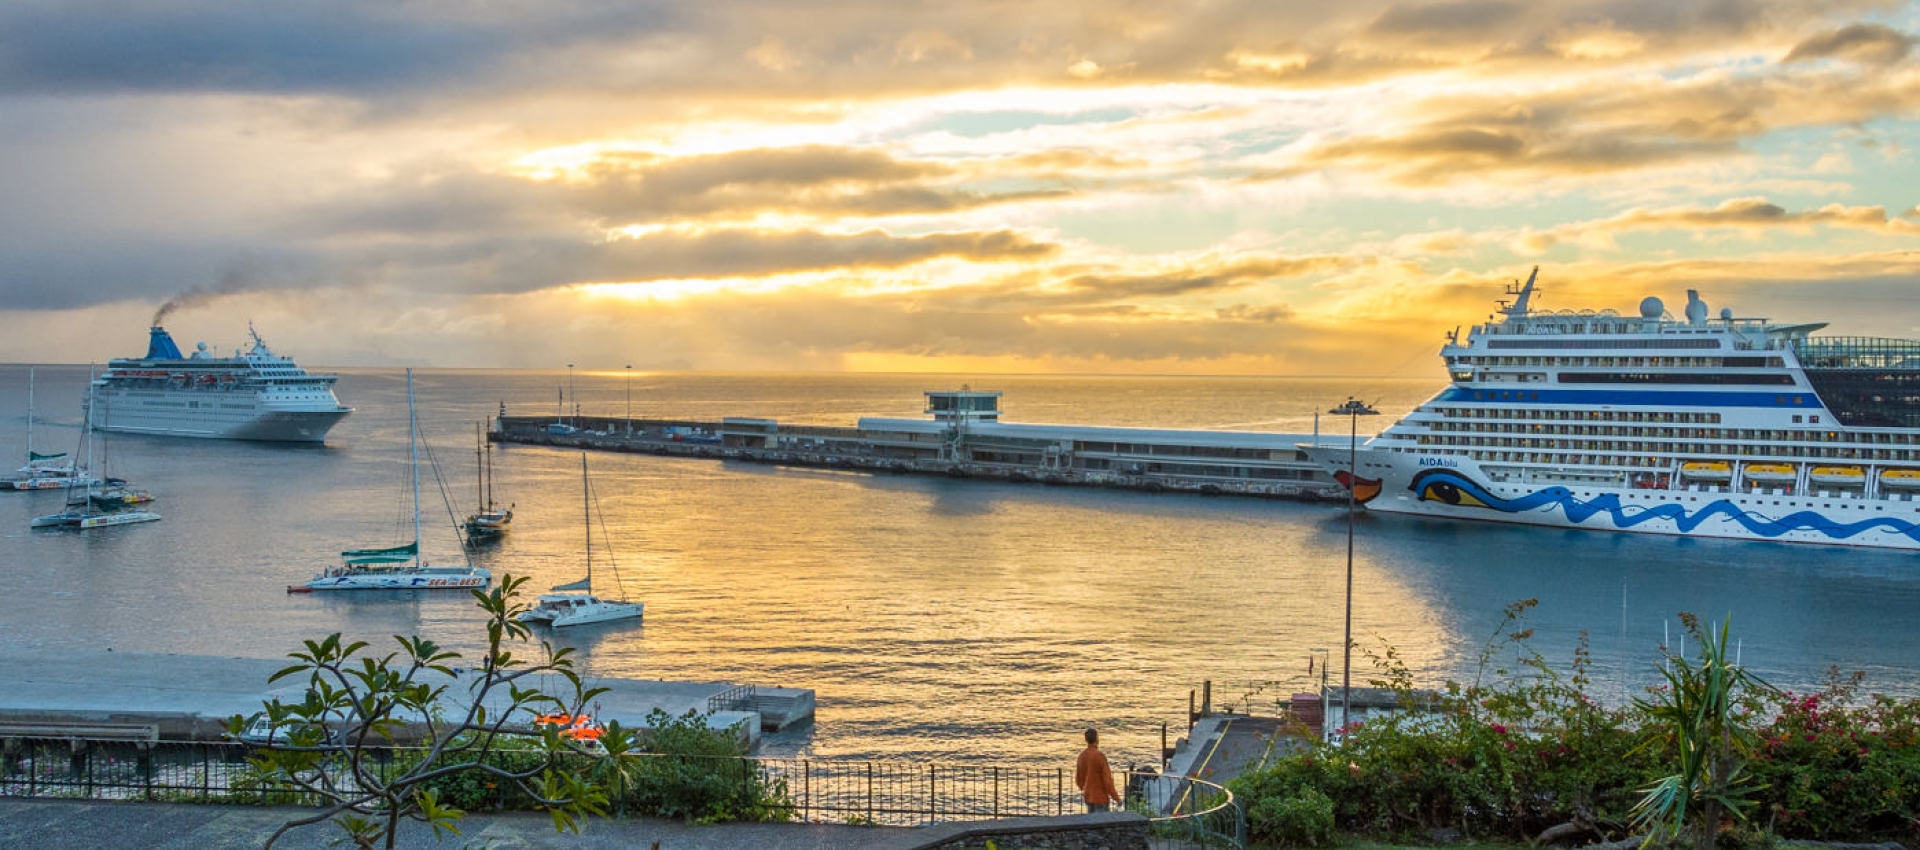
231, 283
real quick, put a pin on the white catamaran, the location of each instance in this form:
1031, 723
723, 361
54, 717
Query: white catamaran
398, 567
560, 610
1735, 427
45, 472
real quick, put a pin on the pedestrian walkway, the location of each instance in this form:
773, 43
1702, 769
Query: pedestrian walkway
46, 824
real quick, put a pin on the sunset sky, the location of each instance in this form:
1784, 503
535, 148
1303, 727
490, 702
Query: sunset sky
1273, 188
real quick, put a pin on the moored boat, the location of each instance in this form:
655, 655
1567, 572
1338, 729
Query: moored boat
561, 610
398, 567
489, 522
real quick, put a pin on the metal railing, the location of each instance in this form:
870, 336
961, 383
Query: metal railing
736, 698
1190, 811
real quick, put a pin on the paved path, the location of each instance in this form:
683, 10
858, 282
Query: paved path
45, 824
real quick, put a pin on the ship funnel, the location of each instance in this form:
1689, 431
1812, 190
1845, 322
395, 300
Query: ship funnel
1696, 308
160, 345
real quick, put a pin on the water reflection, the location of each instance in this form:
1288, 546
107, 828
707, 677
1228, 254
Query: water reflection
936, 618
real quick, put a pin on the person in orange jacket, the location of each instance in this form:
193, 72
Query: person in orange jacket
1093, 777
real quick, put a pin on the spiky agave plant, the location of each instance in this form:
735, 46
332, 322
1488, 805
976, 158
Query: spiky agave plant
1700, 712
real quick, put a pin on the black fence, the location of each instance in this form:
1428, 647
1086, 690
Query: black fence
855, 792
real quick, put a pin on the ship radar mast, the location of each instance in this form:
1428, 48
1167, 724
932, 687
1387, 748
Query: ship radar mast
1521, 296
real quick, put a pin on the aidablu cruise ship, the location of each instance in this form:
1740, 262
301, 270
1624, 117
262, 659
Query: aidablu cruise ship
258, 395
1728, 427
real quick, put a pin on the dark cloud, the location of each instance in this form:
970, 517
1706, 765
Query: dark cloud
1446, 18
1199, 280
1874, 44
818, 180
527, 265
292, 46
1747, 213
563, 57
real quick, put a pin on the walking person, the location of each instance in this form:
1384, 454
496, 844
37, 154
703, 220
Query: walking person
1094, 777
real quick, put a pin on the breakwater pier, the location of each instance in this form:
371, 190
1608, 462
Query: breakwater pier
140, 696
965, 438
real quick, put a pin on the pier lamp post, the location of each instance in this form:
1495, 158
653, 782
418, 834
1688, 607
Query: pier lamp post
1353, 410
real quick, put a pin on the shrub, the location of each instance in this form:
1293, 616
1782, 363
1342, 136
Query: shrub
700, 775
1303, 820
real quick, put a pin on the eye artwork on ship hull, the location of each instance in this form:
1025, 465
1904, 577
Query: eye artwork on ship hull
1453, 489
1364, 489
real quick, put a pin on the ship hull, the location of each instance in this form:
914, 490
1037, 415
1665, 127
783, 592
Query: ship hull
213, 416
429, 578
1456, 488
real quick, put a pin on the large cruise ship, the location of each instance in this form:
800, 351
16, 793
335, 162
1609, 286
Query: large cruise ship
1728, 427
257, 395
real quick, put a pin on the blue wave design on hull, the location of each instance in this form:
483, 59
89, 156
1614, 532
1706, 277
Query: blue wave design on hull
1452, 488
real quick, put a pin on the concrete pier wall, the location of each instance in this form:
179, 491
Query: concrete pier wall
1208, 462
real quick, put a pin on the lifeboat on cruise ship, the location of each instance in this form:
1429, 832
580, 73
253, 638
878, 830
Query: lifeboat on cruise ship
1837, 476
1769, 473
1717, 471
1901, 479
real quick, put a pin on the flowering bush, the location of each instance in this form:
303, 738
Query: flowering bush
1837, 767
1525, 749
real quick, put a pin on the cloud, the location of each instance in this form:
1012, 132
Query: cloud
1872, 44
1752, 214
1593, 129
816, 180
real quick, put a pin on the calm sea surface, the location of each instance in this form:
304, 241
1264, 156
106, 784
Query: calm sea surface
936, 619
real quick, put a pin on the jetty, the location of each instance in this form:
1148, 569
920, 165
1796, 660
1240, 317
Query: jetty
965, 438
135, 696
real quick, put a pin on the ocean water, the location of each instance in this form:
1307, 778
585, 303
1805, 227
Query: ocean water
955, 621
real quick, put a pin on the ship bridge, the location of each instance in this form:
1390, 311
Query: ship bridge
1866, 381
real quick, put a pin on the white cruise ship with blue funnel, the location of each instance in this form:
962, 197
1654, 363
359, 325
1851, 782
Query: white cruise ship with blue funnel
1708, 427
256, 395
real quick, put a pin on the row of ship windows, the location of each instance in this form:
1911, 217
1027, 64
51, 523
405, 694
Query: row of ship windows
1669, 433
1642, 461
1546, 415
1632, 362
1692, 449
1530, 337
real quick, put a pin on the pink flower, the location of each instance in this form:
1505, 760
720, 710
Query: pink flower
1499, 729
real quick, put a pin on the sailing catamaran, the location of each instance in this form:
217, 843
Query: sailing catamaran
45, 472
490, 522
86, 517
560, 610
398, 567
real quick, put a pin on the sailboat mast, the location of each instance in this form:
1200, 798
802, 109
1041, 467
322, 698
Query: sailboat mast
413, 460
586, 513
29, 416
479, 471
489, 447
86, 428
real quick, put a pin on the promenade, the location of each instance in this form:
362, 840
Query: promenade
45, 824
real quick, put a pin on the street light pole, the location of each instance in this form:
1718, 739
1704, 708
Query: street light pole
1353, 410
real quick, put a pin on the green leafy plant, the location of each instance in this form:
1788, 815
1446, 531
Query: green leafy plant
335, 744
